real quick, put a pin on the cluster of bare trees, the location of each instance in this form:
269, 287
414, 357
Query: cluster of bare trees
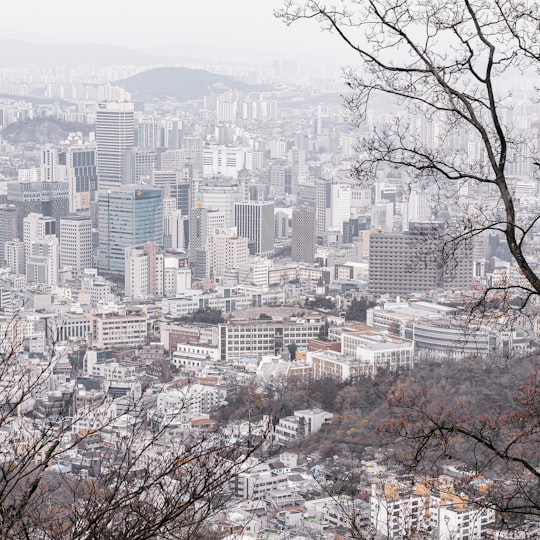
83, 468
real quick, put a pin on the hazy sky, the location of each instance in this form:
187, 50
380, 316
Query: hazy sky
164, 25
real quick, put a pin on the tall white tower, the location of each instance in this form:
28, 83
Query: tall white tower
115, 133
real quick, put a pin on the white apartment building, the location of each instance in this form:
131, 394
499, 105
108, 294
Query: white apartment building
253, 485
301, 424
136, 273
76, 242
399, 511
14, 256
192, 400
175, 280
42, 262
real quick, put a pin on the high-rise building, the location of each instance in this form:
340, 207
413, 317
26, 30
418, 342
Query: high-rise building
8, 224
303, 234
80, 171
144, 271
76, 242
129, 216
136, 273
323, 208
222, 194
226, 250
14, 256
37, 227
115, 133
42, 263
138, 165
201, 222
46, 198
255, 221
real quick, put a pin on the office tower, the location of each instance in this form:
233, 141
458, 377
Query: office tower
76, 242
281, 225
138, 165
303, 234
175, 184
37, 227
221, 193
382, 216
46, 198
193, 148
49, 164
129, 216
14, 256
201, 222
402, 263
42, 263
176, 231
226, 250
8, 224
276, 177
323, 208
223, 160
172, 133
136, 273
147, 134
115, 133
340, 205
77, 165
255, 220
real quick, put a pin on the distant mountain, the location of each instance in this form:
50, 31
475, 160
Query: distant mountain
180, 83
17, 53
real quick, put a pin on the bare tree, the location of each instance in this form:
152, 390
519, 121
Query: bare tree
451, 67
73, 468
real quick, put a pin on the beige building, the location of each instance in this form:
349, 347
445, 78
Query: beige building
119, 328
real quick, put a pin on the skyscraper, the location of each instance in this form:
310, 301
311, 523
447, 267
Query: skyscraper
255, 220
303, 234
115, 133
129, 216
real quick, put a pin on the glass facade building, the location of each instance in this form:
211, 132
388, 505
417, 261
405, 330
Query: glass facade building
128, 216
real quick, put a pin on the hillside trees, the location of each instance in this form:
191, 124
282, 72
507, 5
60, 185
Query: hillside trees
453, 70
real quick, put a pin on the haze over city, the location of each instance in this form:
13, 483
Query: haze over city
261, 281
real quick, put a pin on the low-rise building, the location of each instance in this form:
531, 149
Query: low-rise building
262, 337
117, 327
